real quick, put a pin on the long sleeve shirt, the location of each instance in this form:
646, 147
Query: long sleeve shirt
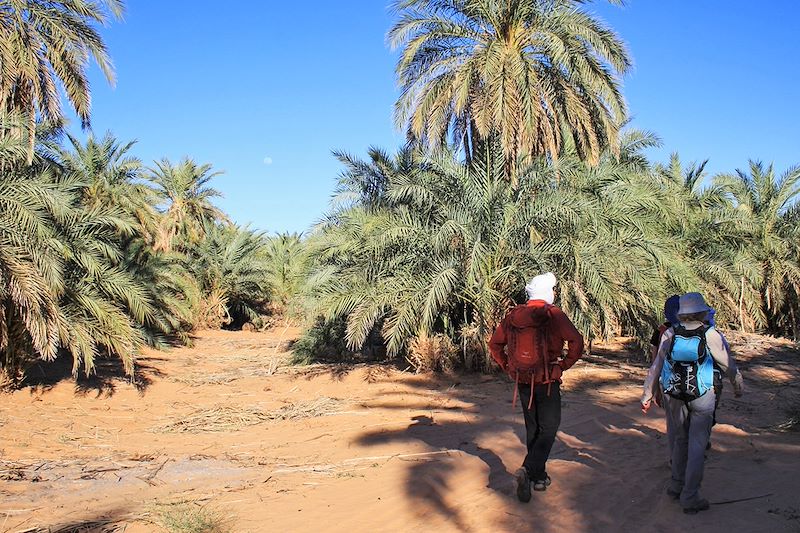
560, 330
717, 347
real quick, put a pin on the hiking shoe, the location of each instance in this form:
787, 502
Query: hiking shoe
541, 484
674, 494
523, 485
699, 505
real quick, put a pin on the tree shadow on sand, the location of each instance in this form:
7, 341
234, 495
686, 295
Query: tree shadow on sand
111, 521
109, 373
610, 460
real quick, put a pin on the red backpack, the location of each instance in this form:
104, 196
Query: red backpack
527, 329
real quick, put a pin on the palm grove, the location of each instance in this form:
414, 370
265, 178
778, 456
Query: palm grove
516, 162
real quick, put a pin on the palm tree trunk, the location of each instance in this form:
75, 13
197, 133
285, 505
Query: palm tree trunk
741, 306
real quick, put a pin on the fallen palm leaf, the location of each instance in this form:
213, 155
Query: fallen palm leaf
229, 418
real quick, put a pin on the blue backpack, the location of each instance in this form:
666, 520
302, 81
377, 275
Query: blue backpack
688, 371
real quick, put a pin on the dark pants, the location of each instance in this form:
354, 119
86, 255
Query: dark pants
541, 424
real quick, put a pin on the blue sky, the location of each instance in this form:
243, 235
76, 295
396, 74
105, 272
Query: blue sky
266, 90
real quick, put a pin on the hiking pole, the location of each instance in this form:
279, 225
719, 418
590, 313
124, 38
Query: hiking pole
723, 502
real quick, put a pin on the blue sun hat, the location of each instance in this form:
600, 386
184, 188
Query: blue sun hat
692, 302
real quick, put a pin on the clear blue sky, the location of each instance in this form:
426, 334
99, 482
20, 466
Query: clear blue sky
265, 90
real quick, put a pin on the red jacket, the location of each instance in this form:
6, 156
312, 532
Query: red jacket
561, 330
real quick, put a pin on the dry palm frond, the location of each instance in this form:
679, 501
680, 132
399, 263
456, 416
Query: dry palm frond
198, 380
215, 419
432, 353
212, 311
87, 526
229, 418
320, 407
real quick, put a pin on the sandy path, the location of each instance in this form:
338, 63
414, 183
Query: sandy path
398, 452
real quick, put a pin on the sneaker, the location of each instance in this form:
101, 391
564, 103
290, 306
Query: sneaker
523, 485
674, 494
700, 505
542, 484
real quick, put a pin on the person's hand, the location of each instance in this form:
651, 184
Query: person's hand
556, 372
738, 385
646, 406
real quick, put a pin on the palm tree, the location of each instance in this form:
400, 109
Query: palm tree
532, 73
31, 271
46, 45
767, 205
449, 246
286, 261
173, 290
230, 267
709, 235
61, 283
184, 189
113, 177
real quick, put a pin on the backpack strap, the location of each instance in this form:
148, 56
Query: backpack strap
530, 399
516, 391
545, 341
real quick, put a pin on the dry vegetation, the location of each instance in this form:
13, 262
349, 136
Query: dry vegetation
232, 418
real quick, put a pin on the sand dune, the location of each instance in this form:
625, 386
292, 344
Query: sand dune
224, 427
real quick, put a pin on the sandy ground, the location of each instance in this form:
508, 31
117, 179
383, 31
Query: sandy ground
392, 451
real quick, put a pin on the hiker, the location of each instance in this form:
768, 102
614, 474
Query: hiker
684, 364
671, 319
533, 336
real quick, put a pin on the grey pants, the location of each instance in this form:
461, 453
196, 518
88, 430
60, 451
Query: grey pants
688, 429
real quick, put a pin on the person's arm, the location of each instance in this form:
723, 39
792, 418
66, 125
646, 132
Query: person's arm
565, 330
654, 373
718, 348
655, 339
497, 345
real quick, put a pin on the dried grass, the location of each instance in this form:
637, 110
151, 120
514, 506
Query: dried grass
189, 518
212, 311
229, 418
199, 380
7, 381
432, 354
320, 407
88, 526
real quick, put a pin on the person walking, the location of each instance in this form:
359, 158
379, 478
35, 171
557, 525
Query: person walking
671, 319
528, 344
684, 367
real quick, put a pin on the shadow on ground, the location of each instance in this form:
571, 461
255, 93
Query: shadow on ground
112, 521
612, 461
109, 373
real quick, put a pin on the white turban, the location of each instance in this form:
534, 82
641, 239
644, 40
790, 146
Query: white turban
541, 288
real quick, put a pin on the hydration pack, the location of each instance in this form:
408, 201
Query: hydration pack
688, 371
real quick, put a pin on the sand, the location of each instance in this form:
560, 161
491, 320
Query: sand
225, 429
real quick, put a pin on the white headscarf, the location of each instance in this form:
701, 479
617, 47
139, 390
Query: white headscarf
541, 288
